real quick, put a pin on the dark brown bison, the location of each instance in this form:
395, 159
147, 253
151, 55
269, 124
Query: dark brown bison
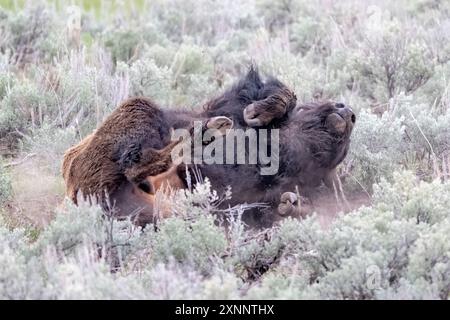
313, 139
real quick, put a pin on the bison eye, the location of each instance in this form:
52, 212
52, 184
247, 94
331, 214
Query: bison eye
146, 187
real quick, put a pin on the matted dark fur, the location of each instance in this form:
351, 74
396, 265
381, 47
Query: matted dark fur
271, 100
310, 150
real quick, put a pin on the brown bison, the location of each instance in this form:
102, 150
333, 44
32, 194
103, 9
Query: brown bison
125, 159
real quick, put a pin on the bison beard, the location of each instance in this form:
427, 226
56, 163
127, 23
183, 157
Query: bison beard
127, 148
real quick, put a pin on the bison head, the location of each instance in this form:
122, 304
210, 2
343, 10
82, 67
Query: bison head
315, 141
336, 119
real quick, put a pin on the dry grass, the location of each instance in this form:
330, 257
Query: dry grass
36, 193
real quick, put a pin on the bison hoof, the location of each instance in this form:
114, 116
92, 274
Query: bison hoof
293, 205
257, 115
220, 123
130, 156
251, 116
288, 204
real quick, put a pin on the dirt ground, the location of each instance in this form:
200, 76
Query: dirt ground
38, 192
328, 208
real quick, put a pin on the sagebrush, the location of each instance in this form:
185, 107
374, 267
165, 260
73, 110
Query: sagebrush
64, 67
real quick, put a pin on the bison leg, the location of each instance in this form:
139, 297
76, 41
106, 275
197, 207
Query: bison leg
275, 106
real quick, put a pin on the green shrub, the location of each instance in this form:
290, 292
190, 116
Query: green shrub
24, 105
5, 184
123, 44
49, 145
147, 79
190, 242
7, 81
31, 35
376, 148
72, 228
391, 250
394, 58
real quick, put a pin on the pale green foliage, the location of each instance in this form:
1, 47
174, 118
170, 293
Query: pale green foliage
376, 147
195, 242
192, 236
278, 286
49, 145
390, 62
163, 73
381, 252
21, 106
429, 259
7, 81
71, 228
19, 276
429, 202
122, 44
5, 184
148, 79
394, 55
424, 132
404, 252
31, 35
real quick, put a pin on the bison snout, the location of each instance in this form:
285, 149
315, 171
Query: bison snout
345, 112
348, 115
341, 120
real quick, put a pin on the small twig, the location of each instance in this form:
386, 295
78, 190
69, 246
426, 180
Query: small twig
423, 134
22, 134
435, 158
19, 162
362, 187
299, 202
344, 198
336, 195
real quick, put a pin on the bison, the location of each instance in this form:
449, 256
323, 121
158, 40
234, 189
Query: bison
128, 158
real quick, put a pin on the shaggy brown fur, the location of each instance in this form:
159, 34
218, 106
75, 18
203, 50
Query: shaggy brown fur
123, 162
93, 167
69, 156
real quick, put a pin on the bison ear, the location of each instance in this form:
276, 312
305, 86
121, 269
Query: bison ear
336, 123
